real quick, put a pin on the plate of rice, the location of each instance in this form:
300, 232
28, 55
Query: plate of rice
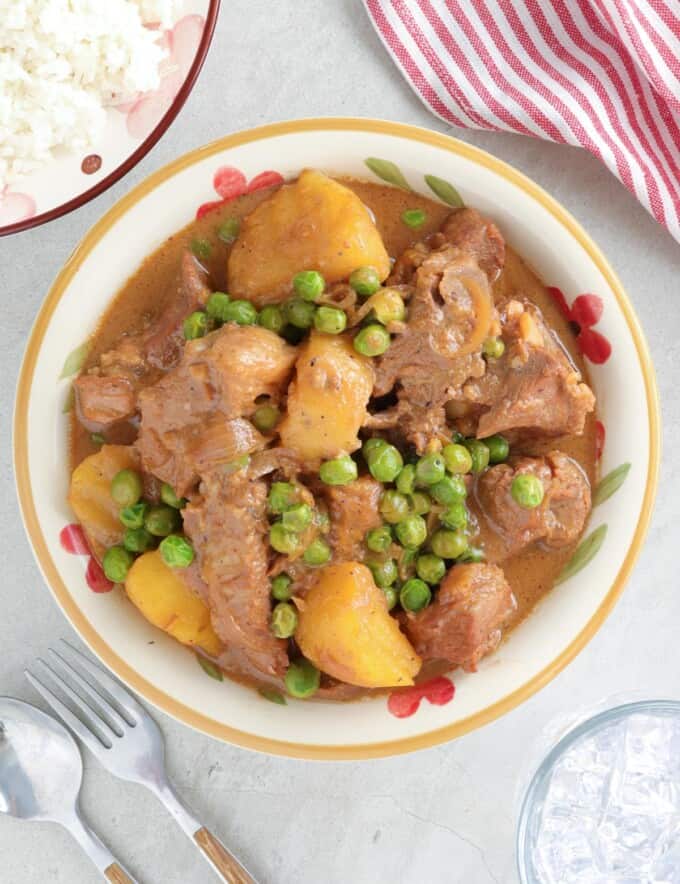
86, 89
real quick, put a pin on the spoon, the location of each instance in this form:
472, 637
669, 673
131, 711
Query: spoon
41, 772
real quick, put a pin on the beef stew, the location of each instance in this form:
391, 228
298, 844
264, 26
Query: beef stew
366, 462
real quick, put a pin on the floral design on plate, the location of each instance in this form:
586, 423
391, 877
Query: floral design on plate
15, 207
229, 182
406, 701
584, 313
73, 541
145, 111
388, 171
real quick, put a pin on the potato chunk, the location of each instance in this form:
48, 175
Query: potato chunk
313, 224
346, 630
163, 597
327, 400
90, 494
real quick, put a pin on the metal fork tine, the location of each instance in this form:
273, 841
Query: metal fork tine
116, 691
88, 738
103, 707
96, 723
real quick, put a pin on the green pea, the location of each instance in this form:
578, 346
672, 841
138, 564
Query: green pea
393, 507
384, 573
299, 313
415, 595
387, 305
414, 218
448, 544
499, 448
283, 540
406, 480
201, 248
266, 417
271, 317
168, 496
284, 620
472, 554
430, 469
176, 551
385, 463
116, 563
133, 516
126, 488
379, 539
282, 496
412, 531
241, 312
419, 503
479, 454
228, 230
330, 320
493, 348
317, 553
365, 281
455, 516
309, 285
137, 540
457, 458
339, 471
527, 491
162, 520
97, 439
298, 517
195, 325
430, 568
372, 340
371, 445
216, 305
391, 596
449, 489
282, 587
302, 679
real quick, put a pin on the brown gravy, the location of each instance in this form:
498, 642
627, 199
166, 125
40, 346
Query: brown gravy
144, 296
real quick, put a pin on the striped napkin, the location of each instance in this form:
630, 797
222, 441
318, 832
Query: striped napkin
602, 74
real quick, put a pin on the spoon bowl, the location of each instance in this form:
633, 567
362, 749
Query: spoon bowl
41, 769
41, 772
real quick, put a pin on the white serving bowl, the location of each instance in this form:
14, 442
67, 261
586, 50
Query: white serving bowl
167, 674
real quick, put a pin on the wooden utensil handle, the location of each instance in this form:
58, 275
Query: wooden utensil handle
116, 875
226, 864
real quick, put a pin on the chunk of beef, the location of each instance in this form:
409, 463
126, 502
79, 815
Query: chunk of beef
476, 235
506, 528
534, 385
465, 620
191, 419
164, 340
107, 394
449, 316
228, 526
353, 511
101, 402
467, 230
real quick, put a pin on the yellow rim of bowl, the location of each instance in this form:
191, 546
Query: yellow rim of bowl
98, 644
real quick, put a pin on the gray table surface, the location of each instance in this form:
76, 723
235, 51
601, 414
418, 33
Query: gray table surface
443, 815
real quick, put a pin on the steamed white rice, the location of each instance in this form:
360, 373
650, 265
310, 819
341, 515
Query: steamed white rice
61, 63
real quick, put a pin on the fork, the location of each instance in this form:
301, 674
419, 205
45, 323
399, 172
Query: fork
126, 741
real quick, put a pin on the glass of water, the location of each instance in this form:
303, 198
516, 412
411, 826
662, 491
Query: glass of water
604, 805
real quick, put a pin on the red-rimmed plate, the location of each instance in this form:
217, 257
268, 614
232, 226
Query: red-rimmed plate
131, 130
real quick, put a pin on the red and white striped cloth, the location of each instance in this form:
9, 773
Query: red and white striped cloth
602, 74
